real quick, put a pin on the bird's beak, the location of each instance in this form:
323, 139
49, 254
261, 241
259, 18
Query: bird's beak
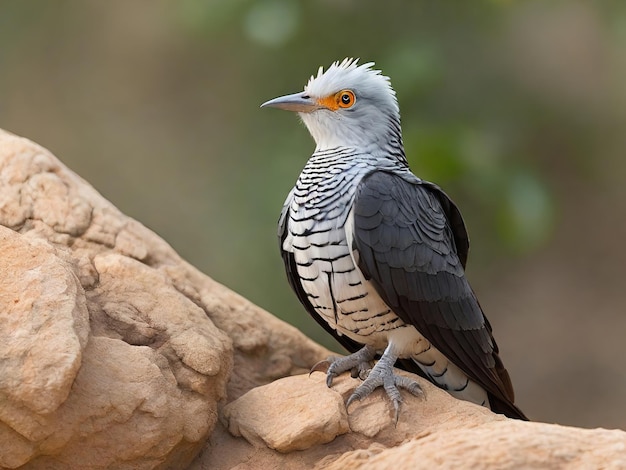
298, 102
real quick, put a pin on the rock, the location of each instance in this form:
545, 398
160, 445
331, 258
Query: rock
114, 352
285, 416
501, 444
44, 324
436, 432
105, 364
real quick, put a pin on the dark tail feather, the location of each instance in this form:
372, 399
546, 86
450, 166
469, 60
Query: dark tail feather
506, 408
498, 405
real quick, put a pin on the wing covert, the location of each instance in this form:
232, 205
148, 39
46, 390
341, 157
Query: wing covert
410, 241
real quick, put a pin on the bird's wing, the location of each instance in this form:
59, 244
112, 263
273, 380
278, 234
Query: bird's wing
410, 242
294, 282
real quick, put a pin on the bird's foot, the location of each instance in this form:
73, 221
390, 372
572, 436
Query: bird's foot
382, 376
359, 364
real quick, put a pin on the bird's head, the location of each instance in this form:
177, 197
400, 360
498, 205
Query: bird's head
348, 105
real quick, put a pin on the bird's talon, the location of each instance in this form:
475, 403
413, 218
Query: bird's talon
329, 379
321, 366
416, 390
409, 385
352, 398
396, 406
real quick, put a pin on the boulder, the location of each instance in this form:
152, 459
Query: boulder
115, 353
301, 413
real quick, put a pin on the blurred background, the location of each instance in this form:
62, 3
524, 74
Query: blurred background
518, 109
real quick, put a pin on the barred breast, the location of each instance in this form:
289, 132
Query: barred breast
318, 211
318, 234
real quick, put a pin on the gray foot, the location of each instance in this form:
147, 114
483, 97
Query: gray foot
359, 364
382, 376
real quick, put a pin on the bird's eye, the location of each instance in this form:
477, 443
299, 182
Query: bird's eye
345, 98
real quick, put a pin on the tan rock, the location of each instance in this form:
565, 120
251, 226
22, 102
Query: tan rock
502, 444
288, 414
44, 324
436, 432
138, 385
114, 352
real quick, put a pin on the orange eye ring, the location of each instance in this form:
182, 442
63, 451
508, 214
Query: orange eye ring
345, 99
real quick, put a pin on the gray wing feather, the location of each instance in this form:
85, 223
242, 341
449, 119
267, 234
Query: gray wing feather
411, 242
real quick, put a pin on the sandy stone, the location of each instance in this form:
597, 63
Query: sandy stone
436, 432
293, 413
116, 353
504, 444
152, 311
114, 404
44, 324
104, 363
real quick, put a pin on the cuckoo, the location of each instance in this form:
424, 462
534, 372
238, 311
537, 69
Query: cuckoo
377, 255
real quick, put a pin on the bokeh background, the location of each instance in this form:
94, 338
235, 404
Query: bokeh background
518, 109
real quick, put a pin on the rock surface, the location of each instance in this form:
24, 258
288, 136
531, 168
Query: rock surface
116, 353
435, 432
311, 419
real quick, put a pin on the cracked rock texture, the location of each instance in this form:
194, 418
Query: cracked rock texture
114, 352
117, 354
435, 432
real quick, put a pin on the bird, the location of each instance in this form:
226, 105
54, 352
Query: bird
377, 255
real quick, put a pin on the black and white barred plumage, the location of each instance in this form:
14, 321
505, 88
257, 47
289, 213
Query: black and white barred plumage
377, 255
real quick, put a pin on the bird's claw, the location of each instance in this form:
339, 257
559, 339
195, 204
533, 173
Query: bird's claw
391, 383
359, 364
321, 366
327, 367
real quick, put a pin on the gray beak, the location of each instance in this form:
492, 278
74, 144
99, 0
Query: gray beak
298, 102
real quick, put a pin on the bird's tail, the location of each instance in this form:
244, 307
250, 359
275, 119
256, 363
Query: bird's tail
506, 408
502, 405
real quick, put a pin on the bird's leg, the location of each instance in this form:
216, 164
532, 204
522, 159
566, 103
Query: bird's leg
359, 363
382, 376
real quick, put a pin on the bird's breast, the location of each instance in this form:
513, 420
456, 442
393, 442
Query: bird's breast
316, 235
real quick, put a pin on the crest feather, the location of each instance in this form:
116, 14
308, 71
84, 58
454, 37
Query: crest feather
345, 74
